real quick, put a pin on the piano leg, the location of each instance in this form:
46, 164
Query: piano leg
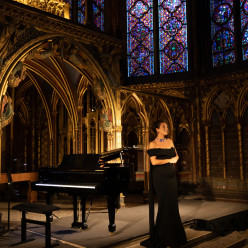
75, 218
111, 200
83, 208
76, 223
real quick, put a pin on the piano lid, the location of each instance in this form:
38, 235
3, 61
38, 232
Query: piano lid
80, 162
110, 155
90, 161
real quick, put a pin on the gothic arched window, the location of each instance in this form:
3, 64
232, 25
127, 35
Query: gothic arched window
81, 11
222, 32
173, 51
165, 24
98, 13
140, 47
244, 27
93, 136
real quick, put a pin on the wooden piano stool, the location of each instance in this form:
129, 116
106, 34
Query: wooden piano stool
40, 209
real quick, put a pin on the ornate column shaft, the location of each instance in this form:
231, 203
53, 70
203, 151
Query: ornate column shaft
193, 139
223, 151
80, 131
88, 13
97, 137
74, 141
118, 137
145, 135
54, 141
110, 141
88, 136
207, 151
198, 130
241, 160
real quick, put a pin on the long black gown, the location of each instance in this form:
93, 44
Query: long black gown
168, 230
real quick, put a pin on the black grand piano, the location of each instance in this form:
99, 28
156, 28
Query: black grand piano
84, 176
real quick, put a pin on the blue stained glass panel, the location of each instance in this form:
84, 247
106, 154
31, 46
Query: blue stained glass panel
81, 11
98, 13
173, 48
140, 47
244, 27
222, 32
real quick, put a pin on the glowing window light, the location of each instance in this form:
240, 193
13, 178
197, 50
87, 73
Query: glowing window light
140, 47
173, 50
81, 11
244, 27
222, 32
98, 13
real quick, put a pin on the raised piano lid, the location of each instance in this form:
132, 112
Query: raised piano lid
91, 161
80, 162
111, 155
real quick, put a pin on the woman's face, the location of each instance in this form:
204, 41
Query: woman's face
163, 129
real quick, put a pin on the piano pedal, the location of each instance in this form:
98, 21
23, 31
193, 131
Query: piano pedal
117, 210
84, 226
79, 225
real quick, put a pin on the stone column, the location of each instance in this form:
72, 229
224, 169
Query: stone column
145, 137
118, 137
192, 140
88, 13
80, 131
223, 151
241, 159
54, 140
207, 151
110, 141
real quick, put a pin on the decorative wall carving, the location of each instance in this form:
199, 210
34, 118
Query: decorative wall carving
17, 75
58, 26
56, 7
7, 112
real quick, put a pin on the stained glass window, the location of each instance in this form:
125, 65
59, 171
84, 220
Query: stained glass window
140, 47
98, 13
81, 11
222, 32
244, 27
173, 51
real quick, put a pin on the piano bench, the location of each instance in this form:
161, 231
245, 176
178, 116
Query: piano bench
40, 209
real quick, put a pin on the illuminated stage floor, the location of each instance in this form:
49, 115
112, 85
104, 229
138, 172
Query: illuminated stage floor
131, 222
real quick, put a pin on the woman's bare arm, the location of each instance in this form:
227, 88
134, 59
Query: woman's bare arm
156, 161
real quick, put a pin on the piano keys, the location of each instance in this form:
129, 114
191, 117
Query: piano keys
84, 176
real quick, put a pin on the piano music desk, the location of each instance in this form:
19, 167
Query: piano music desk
40, 209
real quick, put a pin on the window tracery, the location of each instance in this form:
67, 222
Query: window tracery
98, 14
170, 31
173, 49
222, 32
81, 11
244, 27
140, 47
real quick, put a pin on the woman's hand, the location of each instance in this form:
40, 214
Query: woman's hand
174, 160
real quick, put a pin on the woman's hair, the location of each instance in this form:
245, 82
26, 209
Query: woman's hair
157, 124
